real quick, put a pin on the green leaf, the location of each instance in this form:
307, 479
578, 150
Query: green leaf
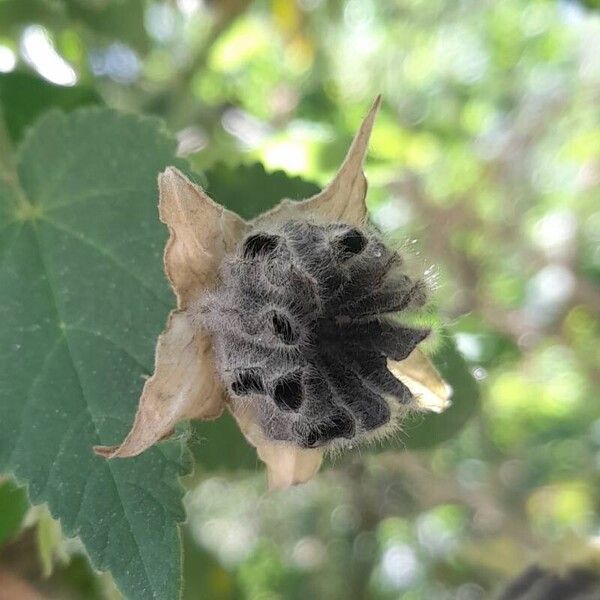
426, 431
250, 190
82, 300
13, 506
23, 98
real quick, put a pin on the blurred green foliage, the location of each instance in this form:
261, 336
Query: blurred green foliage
13, 506
486, 152
427, 431
24, 97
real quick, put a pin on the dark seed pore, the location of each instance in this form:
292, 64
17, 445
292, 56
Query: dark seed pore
283, 328
352, 242
288, 392
247, 382
260, 244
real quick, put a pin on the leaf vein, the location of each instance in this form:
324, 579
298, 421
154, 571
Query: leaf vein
112, 342
91, 244
35, 380
113, 479
48, 208
10, 243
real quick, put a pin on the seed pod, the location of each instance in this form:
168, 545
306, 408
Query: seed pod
286, 321
302, 328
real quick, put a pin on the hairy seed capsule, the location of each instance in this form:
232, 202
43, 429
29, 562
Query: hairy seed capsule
302, 326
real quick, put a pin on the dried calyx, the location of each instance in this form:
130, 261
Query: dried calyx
302, 327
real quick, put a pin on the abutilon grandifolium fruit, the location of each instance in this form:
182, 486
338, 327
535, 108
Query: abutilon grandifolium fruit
304, 320
293, 321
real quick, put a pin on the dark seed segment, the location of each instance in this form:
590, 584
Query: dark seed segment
248, 382
318, 434
372, 368
369, 408
380, 335
368, 276
283, 329
389, 297
288, 392
260, 244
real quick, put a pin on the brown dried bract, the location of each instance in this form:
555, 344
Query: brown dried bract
185, 384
